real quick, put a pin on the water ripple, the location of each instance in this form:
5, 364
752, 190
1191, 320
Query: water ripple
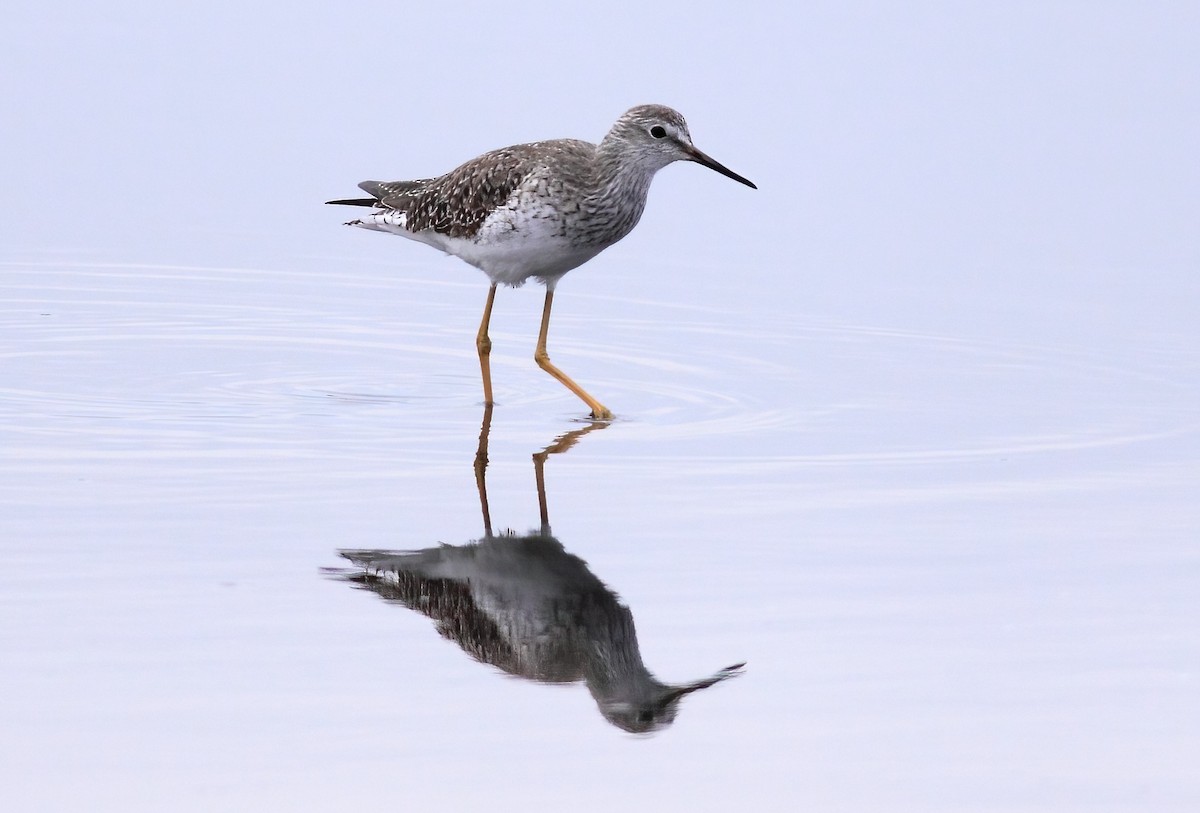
203, 353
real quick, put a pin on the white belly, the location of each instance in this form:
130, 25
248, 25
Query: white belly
514, 261
508, 252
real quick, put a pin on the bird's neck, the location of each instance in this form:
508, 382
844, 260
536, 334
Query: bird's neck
619, 190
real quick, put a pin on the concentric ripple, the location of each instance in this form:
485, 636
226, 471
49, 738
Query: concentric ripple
204, 359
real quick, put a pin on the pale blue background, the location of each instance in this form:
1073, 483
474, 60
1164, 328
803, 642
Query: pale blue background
912, 428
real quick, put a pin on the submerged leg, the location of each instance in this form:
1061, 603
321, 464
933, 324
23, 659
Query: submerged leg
599, 411
484, 345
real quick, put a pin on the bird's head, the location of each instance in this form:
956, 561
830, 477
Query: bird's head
648, 706
658, 135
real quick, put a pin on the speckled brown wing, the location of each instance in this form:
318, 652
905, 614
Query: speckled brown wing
457, 203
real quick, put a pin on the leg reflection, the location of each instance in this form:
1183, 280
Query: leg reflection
523, 604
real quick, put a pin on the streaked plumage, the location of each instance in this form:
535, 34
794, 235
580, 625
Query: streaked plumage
525, 605
537, 210
528, 607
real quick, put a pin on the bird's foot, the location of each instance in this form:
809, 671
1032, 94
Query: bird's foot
601, 413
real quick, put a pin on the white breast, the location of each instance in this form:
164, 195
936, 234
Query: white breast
512, 246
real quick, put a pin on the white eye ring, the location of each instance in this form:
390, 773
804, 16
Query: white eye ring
658, 131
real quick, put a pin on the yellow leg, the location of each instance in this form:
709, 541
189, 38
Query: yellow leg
561, 444
484, 344
599, 411
481, 462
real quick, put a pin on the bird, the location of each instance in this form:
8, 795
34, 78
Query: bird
537, 211
525, 605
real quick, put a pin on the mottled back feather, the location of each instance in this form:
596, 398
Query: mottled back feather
457, 203
538, 210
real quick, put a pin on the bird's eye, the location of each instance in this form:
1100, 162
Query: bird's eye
658, 131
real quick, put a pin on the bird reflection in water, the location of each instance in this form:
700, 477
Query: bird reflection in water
526, 606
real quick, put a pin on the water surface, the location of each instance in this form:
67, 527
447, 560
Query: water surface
962, 565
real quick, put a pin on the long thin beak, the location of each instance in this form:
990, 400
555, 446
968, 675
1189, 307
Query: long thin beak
701, 158
729, 671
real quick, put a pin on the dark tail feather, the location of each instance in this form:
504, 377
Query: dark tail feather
354, 202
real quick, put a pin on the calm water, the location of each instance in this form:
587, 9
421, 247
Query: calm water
963, 567
912, 431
